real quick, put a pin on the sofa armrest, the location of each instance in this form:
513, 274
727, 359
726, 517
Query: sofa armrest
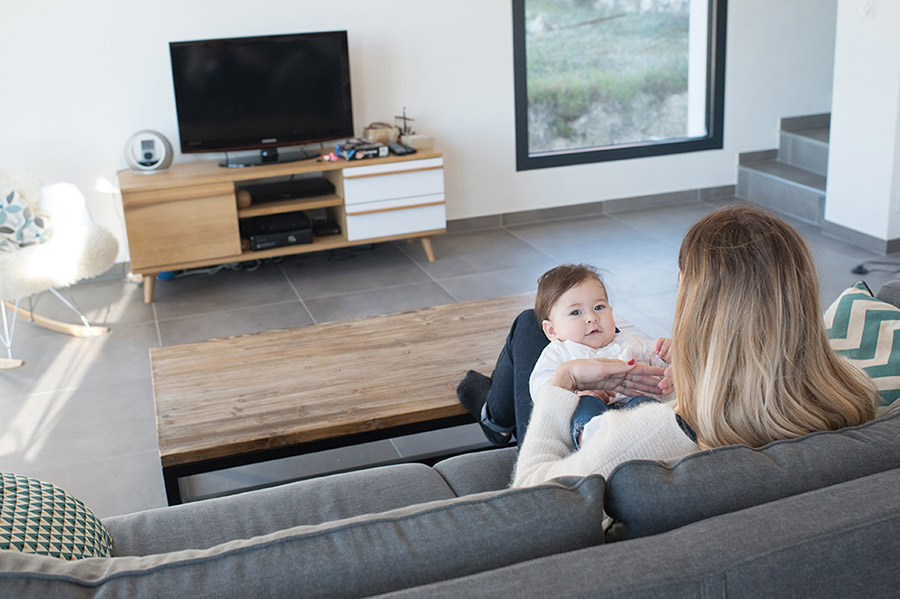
478, 472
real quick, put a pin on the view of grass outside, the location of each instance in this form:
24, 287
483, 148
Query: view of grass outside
606, 72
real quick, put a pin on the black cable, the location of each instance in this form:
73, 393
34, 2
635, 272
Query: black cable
860, 269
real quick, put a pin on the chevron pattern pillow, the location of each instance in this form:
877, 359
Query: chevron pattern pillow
38, 517
864, 330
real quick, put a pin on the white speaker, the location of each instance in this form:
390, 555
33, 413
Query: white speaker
148, 151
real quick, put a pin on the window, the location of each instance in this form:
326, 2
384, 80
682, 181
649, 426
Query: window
600, 80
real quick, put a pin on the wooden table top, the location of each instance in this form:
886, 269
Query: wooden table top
231, 396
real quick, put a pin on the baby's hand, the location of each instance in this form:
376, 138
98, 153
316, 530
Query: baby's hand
604, 396
663, 347
667, 385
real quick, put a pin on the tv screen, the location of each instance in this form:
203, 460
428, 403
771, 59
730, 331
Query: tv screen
262, 92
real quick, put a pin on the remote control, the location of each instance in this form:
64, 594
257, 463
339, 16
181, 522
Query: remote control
400, 149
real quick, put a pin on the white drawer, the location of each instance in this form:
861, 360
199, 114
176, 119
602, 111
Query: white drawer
365, 184
385, 219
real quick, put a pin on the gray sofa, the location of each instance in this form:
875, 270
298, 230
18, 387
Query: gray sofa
817, 516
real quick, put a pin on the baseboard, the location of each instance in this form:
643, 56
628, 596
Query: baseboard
861, 240
720, 194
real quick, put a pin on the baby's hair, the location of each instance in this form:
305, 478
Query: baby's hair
556, 281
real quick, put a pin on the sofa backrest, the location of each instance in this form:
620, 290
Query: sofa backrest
832, 543
645, 497
354, 557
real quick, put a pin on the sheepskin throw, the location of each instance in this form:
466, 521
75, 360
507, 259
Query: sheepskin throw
77, 250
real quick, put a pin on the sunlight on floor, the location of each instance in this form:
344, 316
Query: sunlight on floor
27, 433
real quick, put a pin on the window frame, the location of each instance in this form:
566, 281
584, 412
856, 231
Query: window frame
715, 106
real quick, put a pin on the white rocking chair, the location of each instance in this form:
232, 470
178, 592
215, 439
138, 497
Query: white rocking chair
78, 249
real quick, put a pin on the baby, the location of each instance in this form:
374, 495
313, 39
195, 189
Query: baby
574, 312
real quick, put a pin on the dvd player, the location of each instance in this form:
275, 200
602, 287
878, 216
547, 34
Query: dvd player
277, 230
267, 241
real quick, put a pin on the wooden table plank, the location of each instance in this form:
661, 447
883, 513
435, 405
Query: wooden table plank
232, 396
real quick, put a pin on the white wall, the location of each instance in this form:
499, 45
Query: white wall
79, 79
864, 154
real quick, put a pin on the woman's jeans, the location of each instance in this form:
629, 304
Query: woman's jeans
508, 405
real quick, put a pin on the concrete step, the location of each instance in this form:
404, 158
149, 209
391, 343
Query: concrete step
781, 187
803, 142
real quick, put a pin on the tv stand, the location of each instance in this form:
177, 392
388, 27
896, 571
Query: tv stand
187, 216
270, 156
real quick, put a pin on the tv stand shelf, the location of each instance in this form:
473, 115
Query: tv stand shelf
187, 216
281, 206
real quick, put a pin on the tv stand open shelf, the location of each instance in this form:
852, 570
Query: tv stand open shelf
187, 216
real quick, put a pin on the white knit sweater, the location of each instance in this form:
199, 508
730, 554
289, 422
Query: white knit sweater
648, 431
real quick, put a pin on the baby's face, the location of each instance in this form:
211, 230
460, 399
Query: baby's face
582, 314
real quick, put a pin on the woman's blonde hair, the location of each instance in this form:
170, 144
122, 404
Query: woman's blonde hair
751, 362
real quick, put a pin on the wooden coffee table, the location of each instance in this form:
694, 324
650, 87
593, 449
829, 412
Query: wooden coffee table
240, 400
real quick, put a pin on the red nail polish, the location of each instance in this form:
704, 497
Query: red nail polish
631, 362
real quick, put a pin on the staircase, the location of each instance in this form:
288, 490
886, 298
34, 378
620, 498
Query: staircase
791, 179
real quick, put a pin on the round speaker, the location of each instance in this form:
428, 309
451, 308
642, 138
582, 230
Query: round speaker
148, 151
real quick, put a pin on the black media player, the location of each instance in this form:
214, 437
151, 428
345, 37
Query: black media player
277, 230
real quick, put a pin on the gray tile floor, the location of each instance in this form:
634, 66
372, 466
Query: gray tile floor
80, 412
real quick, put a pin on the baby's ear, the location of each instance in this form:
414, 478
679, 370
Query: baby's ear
548, 329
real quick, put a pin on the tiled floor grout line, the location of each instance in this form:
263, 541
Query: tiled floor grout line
297, 293
526, 242
428, 274
156, 323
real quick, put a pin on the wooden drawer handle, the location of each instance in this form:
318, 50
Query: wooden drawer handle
410, 207
412, 170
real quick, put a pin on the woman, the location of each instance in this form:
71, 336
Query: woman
750, 361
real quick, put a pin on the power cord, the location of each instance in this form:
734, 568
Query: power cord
860, 269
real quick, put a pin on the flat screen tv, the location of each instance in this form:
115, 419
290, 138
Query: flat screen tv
263, 92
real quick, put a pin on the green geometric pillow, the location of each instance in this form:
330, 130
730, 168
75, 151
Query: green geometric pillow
864, 330
19, 227
38, 517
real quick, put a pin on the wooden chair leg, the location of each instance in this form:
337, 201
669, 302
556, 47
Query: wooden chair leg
76, 330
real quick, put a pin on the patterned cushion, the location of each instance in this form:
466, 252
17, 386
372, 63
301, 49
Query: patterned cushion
38, 517
19, 227
864, 329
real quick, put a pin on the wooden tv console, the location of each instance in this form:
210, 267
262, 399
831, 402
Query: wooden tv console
188, 217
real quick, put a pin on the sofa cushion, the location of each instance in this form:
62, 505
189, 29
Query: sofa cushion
864, 330
40, 518
202, 524
646, 497
890, 293
354, 557
479, 471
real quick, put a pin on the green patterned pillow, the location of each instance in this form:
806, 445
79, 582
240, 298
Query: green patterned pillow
38, 517
864, 329
19, 227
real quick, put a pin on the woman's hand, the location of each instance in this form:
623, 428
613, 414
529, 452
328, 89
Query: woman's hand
600, 374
